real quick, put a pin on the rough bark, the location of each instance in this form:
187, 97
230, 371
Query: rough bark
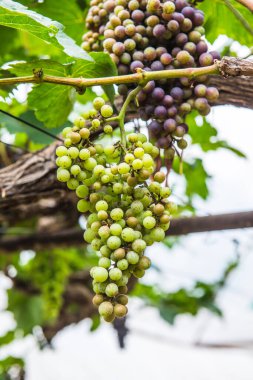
180, 226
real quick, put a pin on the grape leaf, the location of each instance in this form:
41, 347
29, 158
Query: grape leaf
196, 178
27, 310
17, 16
52, 103
234, 21
206, 136
7, 338
68, 14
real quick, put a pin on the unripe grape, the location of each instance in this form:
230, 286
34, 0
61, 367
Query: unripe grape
111, 290
84, 154
106, 111
104, 232
115, 274
123, 168
97, 299
63, 175
165, 192
113, 242
116, 229
72, 184
102, 215
98, 103
122, 299
122, 264
144, 263
109, 319
105, 309
101, 206
149, 222
169, 7
105, 251
157, 234
100, 274
159, 177
61, 151
117, 214
120, 310
119, 254
64, 162
138, 273
132, 257
128, 234
139, 245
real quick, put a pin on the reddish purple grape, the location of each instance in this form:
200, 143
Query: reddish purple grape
169, 125
158, 94
160, 112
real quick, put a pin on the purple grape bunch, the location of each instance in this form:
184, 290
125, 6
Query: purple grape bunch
155, 35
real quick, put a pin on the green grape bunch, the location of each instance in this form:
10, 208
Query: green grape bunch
124, 202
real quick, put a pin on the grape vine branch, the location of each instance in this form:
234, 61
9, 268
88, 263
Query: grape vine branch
227, 66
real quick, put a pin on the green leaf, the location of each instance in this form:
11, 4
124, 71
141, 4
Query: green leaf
7, 338
196, 178
15, 15
206, 136
96, 321
230, 18
7, 363
52, 103
68, 14
27, 310
103, 66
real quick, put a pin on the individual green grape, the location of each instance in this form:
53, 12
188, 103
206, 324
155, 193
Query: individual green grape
104, 232
106, 111
84, 154
122, 264
65, 162
117, 214
139, 245
63, 175
72, 184
115, 274
128, 234
82, 191
149, 222
132, 257
120, 310
113, 242
104, 262
75, 170
97, 299
98, 103
83, 205
111, 290
144, 263
116, 229
73, 152
100, 274
89, 235
61, 151
105, 309
101, 206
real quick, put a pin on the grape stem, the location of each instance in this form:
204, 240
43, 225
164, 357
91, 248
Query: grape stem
227, 66
121, 117
139, 77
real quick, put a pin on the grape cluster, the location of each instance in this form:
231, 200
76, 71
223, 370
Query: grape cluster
154, 35
125, 210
